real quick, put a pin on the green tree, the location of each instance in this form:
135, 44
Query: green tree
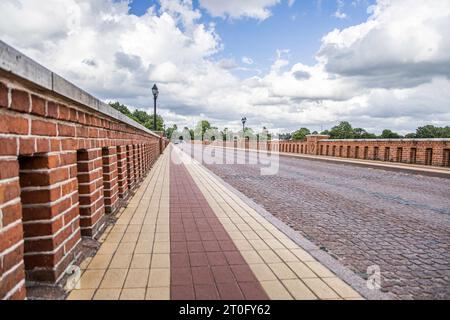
122, 108
248, 133
285, 136
140, 116
159, 123
212, 134
360, 133
201, 128
171, 130
343, 130
191, 132
300, 134
147, 120
264, 135
389, 134
430, 131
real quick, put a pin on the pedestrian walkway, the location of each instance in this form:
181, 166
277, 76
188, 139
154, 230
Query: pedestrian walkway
185, 235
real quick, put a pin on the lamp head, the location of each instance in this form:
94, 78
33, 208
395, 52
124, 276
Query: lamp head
155, 91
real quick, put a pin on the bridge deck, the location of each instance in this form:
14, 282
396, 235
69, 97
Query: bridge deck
186, 235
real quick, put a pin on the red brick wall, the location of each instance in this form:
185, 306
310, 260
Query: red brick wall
388, 150
435, 152
63, 166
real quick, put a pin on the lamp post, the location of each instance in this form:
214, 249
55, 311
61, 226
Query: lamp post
155, 92
243, 120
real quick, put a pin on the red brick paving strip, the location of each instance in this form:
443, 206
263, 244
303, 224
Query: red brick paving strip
204, 262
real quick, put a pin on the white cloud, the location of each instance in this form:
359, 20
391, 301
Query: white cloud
391, 71
247, 60
404, 43
235, 9
339, 13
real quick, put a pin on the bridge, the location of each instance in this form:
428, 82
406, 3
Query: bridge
95, 206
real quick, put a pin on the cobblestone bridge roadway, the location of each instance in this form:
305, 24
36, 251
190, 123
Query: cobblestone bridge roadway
361, 216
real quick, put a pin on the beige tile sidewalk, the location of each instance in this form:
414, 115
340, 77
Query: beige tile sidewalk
134, 259
285, 270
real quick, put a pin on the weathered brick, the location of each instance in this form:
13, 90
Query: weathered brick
13, 257
45, 212
20, 100
8, 169
43, 128
42, 229
52, 110
68, 158
27, 146
64, 113
10, 281
12, 124
68, 144
37, 105
11, 237
42, 145
11, 213
3, 96
69, 187
9, 191
8, 146
66, 131
40, 196
28, 179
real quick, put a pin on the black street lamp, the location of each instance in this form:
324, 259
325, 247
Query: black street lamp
155, 96
243, 120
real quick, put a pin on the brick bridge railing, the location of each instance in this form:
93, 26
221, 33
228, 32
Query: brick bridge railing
66, 160
433, 152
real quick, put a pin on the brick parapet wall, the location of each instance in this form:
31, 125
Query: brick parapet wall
433, 152
63, 166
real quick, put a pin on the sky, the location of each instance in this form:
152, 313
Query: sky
283, 64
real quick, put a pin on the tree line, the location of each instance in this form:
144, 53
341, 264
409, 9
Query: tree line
140, 116
204, 130
344, 130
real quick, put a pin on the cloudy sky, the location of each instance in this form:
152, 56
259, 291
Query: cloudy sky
281, 63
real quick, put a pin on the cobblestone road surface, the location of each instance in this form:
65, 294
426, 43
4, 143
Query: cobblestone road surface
361, 216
